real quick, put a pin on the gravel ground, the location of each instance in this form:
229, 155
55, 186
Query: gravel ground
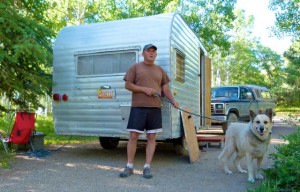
88, 167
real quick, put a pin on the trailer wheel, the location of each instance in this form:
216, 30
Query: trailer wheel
180, 146
109, 142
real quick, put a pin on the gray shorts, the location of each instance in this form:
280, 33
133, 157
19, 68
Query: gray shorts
145, 118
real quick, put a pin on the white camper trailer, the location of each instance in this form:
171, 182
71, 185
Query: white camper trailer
90, 61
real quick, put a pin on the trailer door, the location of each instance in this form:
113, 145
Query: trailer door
205, 89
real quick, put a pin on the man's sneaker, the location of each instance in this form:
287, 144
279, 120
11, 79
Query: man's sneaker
127, 172
147, 173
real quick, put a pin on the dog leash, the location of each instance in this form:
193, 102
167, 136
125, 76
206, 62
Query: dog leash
191, 113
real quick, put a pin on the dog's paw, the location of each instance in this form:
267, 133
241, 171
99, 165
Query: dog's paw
260, 177
251, 180
228, 172
243, 171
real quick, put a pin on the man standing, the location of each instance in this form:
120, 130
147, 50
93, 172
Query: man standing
145, 80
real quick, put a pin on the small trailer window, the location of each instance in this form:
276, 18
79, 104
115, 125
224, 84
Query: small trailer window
105, 63
180, 67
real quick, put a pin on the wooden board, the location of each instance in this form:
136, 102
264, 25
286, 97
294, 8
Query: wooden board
190, 135
210, 138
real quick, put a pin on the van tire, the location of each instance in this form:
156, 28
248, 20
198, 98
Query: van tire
232, 117
109, 142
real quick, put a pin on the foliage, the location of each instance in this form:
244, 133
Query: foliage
292, 70
28, 28
64, 13
285, 173
45, 124
292, 120
211, 20
25, 53
280, 110
249, 62
6, 160
287, 14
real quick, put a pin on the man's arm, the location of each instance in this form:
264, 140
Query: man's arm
135, 88
169, 95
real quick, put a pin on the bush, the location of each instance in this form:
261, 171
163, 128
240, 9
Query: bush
285, 173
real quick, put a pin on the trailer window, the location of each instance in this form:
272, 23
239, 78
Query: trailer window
180, 68
105, 63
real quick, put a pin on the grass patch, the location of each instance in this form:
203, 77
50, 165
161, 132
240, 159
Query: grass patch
45, 125
42, 124
280, 110
6, 160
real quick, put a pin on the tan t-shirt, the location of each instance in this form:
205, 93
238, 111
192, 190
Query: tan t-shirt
152, 76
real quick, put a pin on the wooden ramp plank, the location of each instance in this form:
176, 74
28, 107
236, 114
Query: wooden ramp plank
190, 135
210, 138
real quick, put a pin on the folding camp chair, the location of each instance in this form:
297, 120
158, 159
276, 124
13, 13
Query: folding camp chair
22, 130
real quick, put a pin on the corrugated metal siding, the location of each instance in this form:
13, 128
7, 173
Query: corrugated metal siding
183, 39
84, 113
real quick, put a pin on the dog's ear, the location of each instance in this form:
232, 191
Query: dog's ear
269, 113
252, 115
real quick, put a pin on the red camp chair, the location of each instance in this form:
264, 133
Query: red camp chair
22, 130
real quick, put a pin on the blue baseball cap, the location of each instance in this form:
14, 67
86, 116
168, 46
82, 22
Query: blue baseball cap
148, 46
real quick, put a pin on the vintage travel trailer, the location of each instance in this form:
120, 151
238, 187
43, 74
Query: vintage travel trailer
90, 61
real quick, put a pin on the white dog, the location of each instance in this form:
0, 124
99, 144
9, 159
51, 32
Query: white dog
248, 139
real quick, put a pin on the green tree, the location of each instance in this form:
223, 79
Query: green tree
287, 14
211, 21
78, 12
291, 90
248, 62
25, 52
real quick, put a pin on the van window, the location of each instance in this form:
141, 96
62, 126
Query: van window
243, 93
228, 92
180, 67
105, 63
265, 94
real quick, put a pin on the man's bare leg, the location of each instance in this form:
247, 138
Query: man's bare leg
150, 149
131, 146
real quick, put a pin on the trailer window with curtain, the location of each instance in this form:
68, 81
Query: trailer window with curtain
105, 63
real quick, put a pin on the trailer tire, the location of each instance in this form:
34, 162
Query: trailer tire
180, 146
109, 142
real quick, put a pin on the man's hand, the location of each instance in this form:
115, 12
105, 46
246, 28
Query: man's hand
175, 104
149, 91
